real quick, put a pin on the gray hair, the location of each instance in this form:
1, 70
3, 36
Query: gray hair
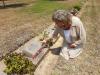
61, 15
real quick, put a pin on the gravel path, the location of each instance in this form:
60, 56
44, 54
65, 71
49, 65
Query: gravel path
88, 63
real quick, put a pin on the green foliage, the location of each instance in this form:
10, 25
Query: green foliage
47, 6
78, 7
49, 42
18, 64
41, 8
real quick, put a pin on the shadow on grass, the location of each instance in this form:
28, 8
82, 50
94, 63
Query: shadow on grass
13, 5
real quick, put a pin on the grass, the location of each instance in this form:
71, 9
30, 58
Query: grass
46, 7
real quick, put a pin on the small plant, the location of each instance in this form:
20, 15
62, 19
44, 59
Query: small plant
78, 7
44, 35
49, 43
74, 12
18, 64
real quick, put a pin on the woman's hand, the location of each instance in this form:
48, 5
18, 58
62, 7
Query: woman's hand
72, 45
47, 42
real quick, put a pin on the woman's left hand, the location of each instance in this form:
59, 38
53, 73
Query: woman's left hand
72, 45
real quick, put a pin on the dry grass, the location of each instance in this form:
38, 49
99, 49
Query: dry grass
17, 28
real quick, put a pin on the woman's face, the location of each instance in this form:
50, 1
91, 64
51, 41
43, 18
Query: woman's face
63, 24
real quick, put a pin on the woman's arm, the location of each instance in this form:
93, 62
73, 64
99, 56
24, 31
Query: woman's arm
81, 33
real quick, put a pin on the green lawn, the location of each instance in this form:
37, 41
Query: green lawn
46, 7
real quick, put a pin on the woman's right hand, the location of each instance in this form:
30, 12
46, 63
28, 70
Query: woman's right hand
47, 42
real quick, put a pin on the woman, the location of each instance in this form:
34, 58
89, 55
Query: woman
71, 29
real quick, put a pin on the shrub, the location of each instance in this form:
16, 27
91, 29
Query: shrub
78, 7
18, 64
